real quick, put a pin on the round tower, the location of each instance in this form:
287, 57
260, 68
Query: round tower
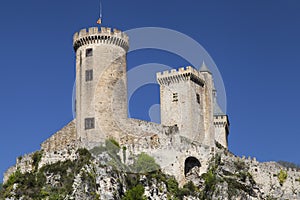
100, 81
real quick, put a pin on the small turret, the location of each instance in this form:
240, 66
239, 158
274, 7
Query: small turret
221, 123
204, 68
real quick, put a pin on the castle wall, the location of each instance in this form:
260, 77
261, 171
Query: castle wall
23, 163
62, 139
265, 174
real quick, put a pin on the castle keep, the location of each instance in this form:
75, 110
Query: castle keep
192, 123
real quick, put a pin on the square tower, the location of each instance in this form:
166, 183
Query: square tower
183, 101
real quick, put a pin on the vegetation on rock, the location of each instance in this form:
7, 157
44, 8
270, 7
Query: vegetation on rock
100, 171
135, 193
144, 164
36, 158
282, 176
34, 185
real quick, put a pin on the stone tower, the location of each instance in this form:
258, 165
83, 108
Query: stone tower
208, 106
100, 81
221, 123
186, 101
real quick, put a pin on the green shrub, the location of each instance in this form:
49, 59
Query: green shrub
191, 187
242, 175
172, 186
145, 163
218, 160
240, 165
36, 158
33, 185
84, 154
112, 146
158, 175
20, 158
234, 186
282, 176
251, 179
135, 193
180, 193
29, 184
98, 150
132, 180
210, 179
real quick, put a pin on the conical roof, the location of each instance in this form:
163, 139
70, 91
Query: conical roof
204, 68
217, 109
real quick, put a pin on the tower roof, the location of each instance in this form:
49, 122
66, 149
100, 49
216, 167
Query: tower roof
217, 110
204, 68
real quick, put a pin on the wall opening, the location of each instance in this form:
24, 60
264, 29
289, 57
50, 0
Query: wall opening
89, 123
88, 52
198, 98
175, 97
190, 163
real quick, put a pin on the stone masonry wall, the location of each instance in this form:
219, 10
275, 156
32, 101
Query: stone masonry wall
62, 139
265, 174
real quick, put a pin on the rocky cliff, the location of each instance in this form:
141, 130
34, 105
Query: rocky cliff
100, 174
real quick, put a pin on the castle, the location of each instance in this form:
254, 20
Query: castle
187, 96
192, 123
190, 141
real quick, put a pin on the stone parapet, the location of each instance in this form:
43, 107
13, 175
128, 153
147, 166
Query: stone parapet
94, 35
182, 74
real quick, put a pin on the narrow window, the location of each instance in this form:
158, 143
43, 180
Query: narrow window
89, 123
89, 75
175, 97
80, 59
89, 52
198, 98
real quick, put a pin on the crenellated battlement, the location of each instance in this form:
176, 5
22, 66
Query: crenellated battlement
182, 74
105, 35
221, 120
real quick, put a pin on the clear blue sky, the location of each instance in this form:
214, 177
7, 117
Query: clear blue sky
255, 44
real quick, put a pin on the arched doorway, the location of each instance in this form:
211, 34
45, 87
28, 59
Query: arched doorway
190, 163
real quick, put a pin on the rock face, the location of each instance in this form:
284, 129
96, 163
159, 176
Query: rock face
101, 174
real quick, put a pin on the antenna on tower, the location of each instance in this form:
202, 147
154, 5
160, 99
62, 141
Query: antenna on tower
100, 16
